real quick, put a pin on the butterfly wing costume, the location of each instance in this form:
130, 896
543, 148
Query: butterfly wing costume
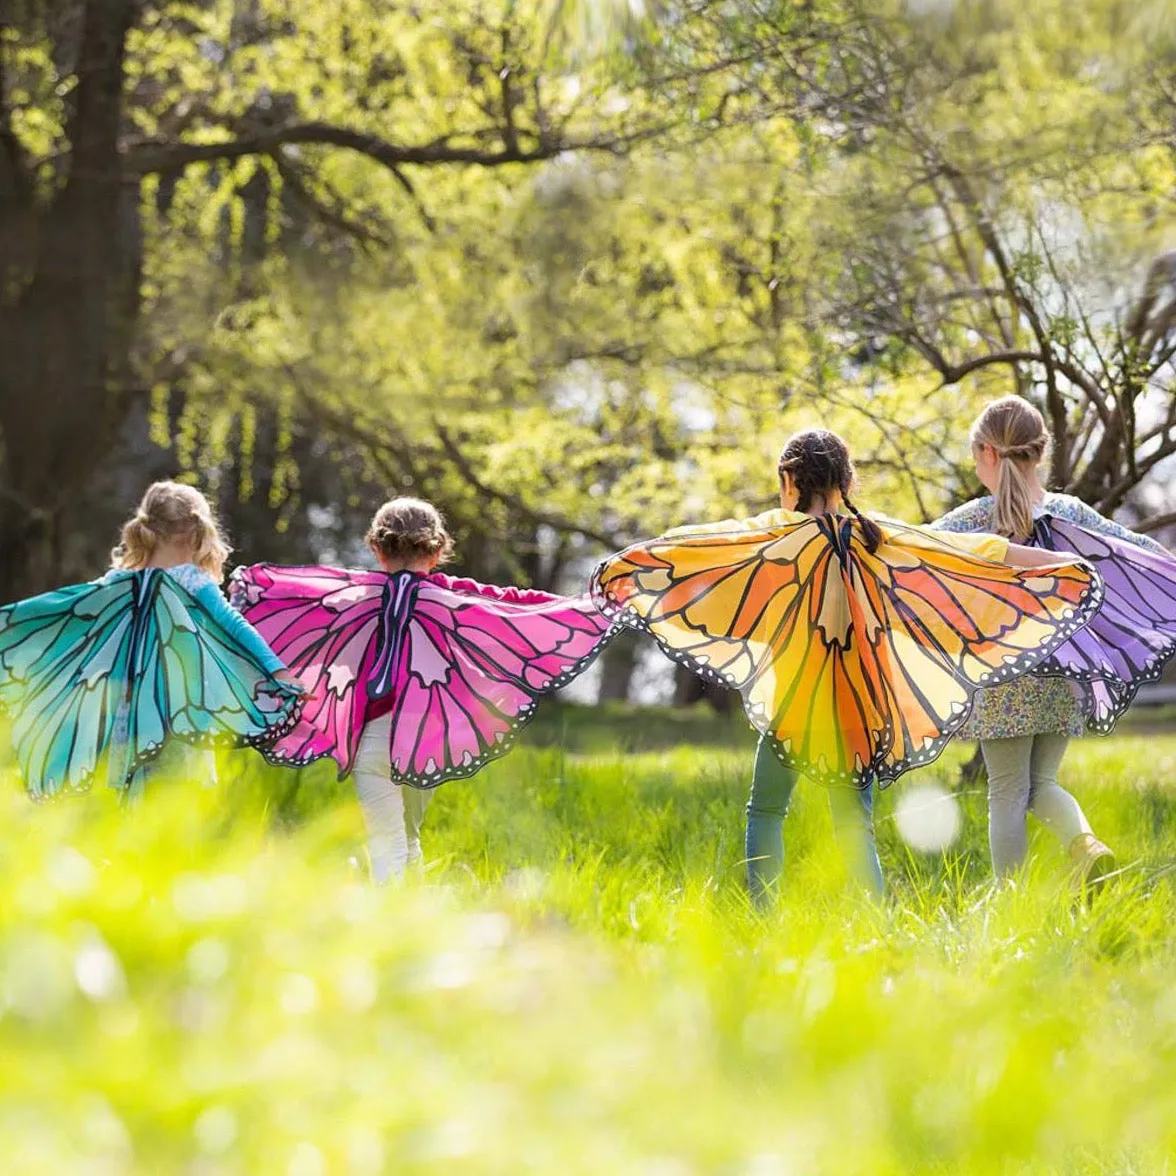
458, 664
99, 676
855, 665
1132, 636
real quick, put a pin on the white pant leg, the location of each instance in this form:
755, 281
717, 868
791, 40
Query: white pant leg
415, 800
382, 802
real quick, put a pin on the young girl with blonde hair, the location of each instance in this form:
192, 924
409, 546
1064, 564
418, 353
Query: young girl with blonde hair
105, 675
414, 677
1024, 726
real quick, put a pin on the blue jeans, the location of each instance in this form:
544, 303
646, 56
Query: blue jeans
771, 791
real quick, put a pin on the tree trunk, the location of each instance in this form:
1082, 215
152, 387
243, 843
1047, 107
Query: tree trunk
618, 663
63, 321
689, 688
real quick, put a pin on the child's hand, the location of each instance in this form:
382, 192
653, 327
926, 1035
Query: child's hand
1039, 557
290, 680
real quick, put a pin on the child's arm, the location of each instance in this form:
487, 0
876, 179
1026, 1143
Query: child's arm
240, 630
1086, 516
1036, 557
508, 595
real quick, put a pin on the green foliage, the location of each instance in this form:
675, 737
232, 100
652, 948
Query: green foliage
578, 985
868, 218
575, 270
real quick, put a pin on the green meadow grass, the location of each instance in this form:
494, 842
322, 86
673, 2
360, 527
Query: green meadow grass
206, 984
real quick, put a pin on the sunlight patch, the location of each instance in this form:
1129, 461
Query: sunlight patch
98, 972
928, 818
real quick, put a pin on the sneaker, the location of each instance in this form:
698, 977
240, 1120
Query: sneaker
1093, 861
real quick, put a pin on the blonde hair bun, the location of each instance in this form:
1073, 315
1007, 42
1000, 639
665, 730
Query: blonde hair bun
172, 513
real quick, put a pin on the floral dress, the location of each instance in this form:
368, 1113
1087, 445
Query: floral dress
1031, 705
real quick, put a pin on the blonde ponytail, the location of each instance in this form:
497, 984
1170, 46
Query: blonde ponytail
1016, 432
136, 544
172, 513
1014, 499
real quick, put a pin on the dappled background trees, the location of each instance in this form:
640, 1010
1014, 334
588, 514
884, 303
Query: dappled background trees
570, 270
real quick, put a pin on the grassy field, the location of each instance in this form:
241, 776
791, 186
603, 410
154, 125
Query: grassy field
206, 985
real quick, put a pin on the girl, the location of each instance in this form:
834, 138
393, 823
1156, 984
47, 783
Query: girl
413, 677
1023, 727
106, 674
857, 645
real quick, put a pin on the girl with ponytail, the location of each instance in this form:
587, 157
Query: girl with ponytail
1024, 726
857, 643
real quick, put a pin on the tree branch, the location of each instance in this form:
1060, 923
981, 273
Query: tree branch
454, 453
1156, 522
1114, 497
151, 158
35, 514
336, 214
954, 373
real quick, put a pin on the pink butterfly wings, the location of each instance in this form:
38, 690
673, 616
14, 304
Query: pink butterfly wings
323, 623
472, 667
459, 664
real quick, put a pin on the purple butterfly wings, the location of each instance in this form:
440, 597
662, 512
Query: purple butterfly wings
1133, 634
459, 665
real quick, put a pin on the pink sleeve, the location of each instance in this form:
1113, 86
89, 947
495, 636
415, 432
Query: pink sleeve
494, 591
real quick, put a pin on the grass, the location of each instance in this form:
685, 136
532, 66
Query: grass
207, 985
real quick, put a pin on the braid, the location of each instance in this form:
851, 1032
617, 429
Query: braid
810, 468
871, 532
819, 463
801, 476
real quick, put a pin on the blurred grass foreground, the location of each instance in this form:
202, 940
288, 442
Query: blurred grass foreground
208, 984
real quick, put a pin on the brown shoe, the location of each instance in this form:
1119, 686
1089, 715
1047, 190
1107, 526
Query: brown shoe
1093, 861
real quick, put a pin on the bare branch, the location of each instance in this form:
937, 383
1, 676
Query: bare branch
336, 213
35, 513
153, 158
1114, 497
544, 518
963, 253
407, 184
1156, 522
510, 133
954, 373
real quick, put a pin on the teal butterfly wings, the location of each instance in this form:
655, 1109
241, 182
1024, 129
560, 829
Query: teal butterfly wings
96, 678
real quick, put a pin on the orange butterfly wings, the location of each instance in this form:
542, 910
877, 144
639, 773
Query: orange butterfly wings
856, 665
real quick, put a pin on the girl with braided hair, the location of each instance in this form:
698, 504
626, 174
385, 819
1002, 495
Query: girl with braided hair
1024, 726
857, 644
413, 677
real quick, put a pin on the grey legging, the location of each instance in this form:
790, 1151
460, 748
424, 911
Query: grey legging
1023, 778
